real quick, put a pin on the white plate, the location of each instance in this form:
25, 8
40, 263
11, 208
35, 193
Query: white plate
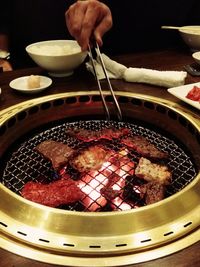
181, 92
21, 84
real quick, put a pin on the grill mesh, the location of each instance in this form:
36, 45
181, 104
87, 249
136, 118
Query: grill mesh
25, 164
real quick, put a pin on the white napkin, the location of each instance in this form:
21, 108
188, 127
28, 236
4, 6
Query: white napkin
160, 78
116, 70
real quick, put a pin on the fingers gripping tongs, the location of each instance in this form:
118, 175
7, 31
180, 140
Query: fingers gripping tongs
98, 54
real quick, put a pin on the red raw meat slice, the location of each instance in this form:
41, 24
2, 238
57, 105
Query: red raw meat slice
53, 194
194, 94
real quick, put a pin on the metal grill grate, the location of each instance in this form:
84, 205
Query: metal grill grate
26, 164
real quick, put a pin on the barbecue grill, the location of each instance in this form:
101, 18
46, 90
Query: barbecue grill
112, 235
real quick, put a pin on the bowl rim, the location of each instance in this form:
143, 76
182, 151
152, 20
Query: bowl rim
187, 31
67, 41
196, 55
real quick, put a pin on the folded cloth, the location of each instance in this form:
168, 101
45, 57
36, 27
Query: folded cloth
99, 70
114, 67
155, 77
116, 70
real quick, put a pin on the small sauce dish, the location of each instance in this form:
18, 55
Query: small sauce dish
21, 84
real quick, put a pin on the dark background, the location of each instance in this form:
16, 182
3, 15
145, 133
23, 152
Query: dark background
136, 24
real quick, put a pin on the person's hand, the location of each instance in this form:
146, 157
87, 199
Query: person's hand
87, 19
5, 65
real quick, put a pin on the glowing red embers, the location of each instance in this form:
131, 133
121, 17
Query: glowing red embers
106, 185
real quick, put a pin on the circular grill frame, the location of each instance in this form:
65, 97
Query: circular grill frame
67, 237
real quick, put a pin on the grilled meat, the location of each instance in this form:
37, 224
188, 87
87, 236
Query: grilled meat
143, 147
111, 185
57, 152
153, 172
89, 159
89, 135
53, 194
152, 192
131, 190
141, 192
107, 191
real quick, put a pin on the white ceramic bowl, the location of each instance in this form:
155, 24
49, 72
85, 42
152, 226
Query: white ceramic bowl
191, 36
196, 57
59, 57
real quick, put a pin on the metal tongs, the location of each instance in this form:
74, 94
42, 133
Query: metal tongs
98, 54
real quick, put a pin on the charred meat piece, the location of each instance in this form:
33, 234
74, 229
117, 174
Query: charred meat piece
153, 172
120, 166
108, 191
58, 153
120, 159
91, 158
132, 188
143, 147
89, 135
53, 194
113, 133
152, 192
142, 192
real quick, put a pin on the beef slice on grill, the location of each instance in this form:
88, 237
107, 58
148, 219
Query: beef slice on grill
53, 194
57, 152
91, 158
90, 135
143, 147
153, 172
152, 192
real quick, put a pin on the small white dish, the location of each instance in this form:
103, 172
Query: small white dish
182, 91
21, 84
196, 57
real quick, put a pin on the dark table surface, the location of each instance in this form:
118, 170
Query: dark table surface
82, 80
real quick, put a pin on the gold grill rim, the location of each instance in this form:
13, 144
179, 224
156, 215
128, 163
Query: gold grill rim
125, 253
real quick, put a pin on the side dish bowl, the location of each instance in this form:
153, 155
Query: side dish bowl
191, 36
196, 57
59, 57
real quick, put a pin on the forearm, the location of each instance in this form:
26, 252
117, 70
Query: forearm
4, 42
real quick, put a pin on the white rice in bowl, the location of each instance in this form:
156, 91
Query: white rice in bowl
54, 50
